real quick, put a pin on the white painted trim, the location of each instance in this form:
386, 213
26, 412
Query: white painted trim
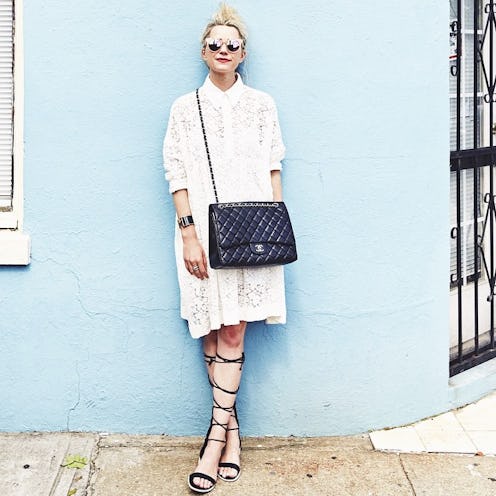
15, 248
15, 245
473, 384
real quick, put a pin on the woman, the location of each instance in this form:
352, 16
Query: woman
246, 148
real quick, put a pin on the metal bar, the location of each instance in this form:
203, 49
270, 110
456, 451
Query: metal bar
472, 360
476, 175
487, 29
491, 168
458, 72
491, 22
483, 257
465, 159
458, 186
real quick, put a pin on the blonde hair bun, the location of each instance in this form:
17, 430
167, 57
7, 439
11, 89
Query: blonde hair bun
226, 16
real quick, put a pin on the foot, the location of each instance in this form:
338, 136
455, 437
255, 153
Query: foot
208, 465
232, 452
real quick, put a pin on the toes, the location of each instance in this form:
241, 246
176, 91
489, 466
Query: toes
200, 482
227, 472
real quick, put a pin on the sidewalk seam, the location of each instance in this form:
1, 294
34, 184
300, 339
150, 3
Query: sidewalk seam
406, 475
92, 473
58, 475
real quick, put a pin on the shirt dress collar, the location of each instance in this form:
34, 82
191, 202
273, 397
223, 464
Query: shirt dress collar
217, 96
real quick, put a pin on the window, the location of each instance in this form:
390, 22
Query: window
14, 244
473, 184
6, 104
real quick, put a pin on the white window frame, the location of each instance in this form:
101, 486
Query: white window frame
15, 245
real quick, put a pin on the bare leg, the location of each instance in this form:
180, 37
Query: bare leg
226, 377
231, 452
233, 350
209, 353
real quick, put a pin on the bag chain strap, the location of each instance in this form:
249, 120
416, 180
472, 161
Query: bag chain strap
206, 146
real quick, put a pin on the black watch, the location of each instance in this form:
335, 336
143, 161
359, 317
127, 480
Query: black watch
186, 221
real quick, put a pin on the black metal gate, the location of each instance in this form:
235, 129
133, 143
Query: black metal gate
472, 162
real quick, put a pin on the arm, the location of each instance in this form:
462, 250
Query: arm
275, 178
276, 155
193, 252
175, 173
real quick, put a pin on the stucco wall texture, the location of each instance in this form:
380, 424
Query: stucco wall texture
91, 333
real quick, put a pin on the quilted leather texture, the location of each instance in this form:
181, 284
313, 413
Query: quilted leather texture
249, 234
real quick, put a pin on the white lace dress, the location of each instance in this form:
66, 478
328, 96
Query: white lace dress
245, 144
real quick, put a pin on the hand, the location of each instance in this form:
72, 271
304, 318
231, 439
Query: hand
194, 257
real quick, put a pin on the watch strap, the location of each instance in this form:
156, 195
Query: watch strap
186, 221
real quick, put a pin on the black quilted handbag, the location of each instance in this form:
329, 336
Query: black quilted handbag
247, 234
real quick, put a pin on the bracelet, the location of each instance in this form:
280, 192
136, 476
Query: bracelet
185, 221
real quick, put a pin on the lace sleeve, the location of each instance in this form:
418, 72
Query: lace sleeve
278, 149
174, 155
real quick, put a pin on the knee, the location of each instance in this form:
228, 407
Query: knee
210, 341
232, 336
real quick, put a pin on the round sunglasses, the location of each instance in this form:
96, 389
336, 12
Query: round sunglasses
215, 44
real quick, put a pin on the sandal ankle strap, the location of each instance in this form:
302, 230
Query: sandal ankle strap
240, 360
221, 360
209, 359
213, 423
217, 406
216, 386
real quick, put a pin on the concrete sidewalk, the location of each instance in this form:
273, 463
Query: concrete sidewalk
32, 464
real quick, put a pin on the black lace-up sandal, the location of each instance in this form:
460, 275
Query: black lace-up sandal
200, 475
234, 414
229, 464
215, 423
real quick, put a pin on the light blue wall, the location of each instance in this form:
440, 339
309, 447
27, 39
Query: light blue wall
91, 336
